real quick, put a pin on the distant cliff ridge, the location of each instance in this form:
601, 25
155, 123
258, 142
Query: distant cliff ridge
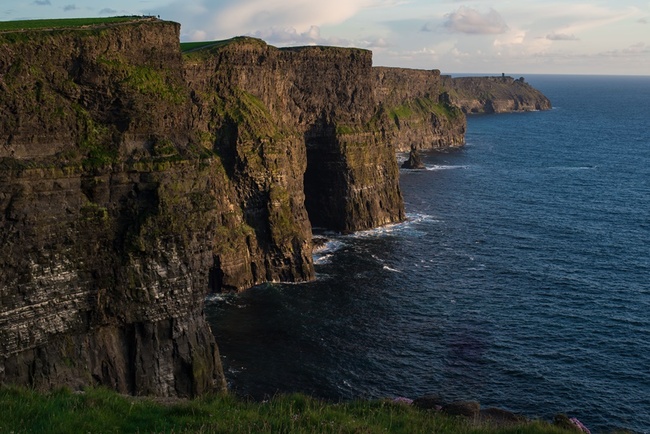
134, 180
494, 94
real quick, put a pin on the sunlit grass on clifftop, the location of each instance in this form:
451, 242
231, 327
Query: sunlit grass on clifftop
101, 410
63, 23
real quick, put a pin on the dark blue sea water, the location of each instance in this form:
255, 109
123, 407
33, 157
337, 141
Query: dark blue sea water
521, 280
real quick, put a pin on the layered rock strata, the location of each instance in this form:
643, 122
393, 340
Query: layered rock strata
312, 100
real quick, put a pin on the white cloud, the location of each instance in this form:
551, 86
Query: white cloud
561, 37
253, 15
471, 21
275, 35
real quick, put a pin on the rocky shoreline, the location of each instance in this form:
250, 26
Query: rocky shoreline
475, 413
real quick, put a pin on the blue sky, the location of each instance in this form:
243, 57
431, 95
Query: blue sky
476, 36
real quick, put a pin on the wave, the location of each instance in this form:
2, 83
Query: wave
320, 259
584, 167
412, 219
445, 167
324, 250
394, 270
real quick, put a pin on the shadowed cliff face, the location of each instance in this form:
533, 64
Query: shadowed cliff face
103, 252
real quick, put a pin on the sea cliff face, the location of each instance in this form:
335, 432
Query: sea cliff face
420, 113
134, 180
109, 215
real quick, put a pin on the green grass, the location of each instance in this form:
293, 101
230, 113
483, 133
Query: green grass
63, 23
100, 410
198, 47
191, 46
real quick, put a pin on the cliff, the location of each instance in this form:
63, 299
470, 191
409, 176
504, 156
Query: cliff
316, 102
420, 114
493, 94
135, 179
109, 214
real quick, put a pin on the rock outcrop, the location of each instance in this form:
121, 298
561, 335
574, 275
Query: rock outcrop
493, 94
110, 215
414, 161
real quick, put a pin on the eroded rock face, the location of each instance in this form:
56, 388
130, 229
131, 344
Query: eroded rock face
318, 104
103, 277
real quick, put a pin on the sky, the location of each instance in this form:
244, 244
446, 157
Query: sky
474, 36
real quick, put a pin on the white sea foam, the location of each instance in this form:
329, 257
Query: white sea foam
320, 259
584, 167
216, 298
445, 167
394, 270
395, 228
323, 254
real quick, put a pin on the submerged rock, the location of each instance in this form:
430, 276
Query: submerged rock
429, 402
470, 409
499, 416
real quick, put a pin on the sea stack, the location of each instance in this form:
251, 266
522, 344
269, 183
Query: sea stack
414, 161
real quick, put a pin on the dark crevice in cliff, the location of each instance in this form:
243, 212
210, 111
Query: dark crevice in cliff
322, 180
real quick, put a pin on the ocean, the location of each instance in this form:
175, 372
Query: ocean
521, 278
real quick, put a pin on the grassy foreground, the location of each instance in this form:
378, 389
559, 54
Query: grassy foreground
104, 411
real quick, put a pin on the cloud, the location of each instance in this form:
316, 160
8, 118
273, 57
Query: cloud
69, 8
312, 36
427, 27
227, 18
470, 21
561, 37
42, 3
639, 48
107, 11
275, 35
642, 21
253, 15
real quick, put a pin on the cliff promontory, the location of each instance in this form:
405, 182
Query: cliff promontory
135, 179
494, 94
